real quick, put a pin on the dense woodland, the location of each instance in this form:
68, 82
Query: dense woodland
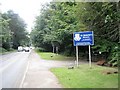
57, 21
13, 31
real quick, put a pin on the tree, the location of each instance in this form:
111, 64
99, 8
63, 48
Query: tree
17, 26
103, 19
13, 32
5, 36
56, 24
58, 21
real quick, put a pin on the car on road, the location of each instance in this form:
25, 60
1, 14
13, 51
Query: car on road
26, 49
20, 49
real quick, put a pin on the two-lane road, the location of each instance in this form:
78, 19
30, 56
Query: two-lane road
12, 68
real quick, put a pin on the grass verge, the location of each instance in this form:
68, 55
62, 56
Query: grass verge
52, 56
84, 77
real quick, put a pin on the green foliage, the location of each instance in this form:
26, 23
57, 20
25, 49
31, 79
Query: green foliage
103, 19
56, 23
13, 32
114, 56
40, 50
5, 32
5, 51
58, 20
2, 50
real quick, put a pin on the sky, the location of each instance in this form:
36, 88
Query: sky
27, 9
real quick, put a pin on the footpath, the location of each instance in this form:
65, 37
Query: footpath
38, 74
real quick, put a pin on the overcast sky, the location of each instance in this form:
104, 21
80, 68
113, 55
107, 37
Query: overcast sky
27, 9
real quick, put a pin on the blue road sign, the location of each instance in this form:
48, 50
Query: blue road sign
83, 38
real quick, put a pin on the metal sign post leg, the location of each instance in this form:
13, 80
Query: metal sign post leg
77, 55
89, 57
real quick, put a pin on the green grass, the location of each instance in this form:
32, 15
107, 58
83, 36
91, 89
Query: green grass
84, 77
47, 56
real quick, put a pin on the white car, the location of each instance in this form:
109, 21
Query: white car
32, 47
26, 49
20, 48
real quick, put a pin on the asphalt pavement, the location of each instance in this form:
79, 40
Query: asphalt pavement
38, 74
12, 69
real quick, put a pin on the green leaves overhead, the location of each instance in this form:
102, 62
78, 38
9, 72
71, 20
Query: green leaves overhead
58, 20
13, 30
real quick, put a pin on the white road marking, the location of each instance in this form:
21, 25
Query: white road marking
23, 79
12, 62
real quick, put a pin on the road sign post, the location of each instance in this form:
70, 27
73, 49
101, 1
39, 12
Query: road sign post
77, 55
89, 57
83, 39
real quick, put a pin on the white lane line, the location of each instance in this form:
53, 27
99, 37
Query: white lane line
23, 79
11, 63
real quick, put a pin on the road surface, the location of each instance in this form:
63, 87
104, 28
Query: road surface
12, 68
39, 75
28, 70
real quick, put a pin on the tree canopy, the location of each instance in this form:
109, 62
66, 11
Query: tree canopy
58, 20
13, 31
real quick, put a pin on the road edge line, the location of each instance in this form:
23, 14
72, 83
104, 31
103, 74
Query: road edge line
23, 79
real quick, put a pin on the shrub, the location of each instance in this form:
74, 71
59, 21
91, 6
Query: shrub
2, 50
41, 49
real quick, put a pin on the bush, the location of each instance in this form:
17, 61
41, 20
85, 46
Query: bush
2, 50
66, 53
11, 49
6, 45
41, 50
114, 56
114, 60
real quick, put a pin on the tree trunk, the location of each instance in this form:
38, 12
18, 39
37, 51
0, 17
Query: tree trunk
56, 50
53, 50
118, 10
